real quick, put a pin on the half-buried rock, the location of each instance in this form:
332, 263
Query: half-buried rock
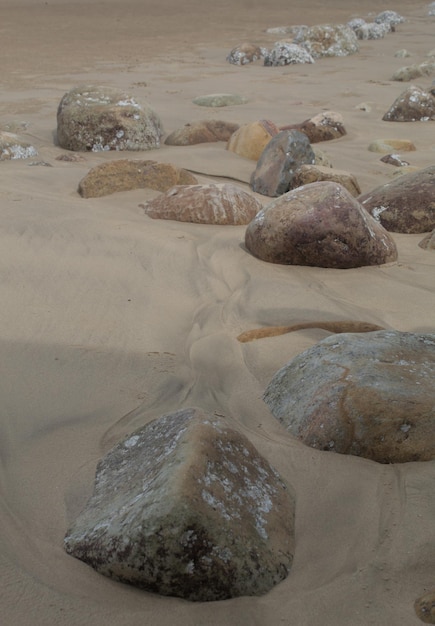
369, 395
125, 174
204, 204
321, 225
405, 205
95, 118
187, 507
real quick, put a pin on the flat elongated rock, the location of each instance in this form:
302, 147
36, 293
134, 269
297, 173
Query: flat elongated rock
386, 145
307, 174
410, 72
250, 139
205, 204
405, 205
369, 395
280, 159
95, 118
219, 100
321, 225
125, 174
187, 507
413, 105
204, 131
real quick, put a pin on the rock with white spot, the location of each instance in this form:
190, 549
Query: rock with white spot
324, 126
14, 147
287, 53
187, 507
328, 40
405, 205
95, 118
246, 53
368, 30
321, 225
222, 203
392, 18
369, 395
413, 105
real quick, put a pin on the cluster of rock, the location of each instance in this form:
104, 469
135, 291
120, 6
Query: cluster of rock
186, 506
310, 43
368, 395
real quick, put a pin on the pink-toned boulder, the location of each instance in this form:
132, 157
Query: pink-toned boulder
322, 127
205, 204
204, 131
405, 205
250, 139
320, 225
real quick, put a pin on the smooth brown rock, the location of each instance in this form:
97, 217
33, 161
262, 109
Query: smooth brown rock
307, 174
405, 205
204, 131
386, 145
250, 140
368, 395
280, 159
186, 506
95, 118
126, 174
413, 105
320, 225
322, 127
205, 204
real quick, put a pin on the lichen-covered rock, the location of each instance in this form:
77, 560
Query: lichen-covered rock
413, 105
187, 507
280, 159
324, 126
250, 139
307, 174
370, 395
392, 18
405, 205
219, 100
369, 30
410, 72
125, 174
95, 118
203, 131
14, 147
320, 225
386, 145
287, 53
246, 53
328, 40
428, 242
204, 204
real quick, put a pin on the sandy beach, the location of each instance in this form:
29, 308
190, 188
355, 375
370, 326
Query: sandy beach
110, 319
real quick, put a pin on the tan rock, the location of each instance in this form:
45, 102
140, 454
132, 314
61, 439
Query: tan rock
125, 174
313, 173
204, 131
250, 140
385, 146
205, 204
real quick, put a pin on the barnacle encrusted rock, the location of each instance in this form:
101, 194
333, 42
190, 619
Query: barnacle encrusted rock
369, 395
413, 105
186, 506
14, 147
96, 118
287, 53
328, 40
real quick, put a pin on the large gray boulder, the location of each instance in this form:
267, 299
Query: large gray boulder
95, 118
319, 224
406, 204
186, 506
221, 203
369, 395
280, 159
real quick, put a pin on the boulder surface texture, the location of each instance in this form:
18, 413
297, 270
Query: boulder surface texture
95, 118
370, 395
187, 507
321, 225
